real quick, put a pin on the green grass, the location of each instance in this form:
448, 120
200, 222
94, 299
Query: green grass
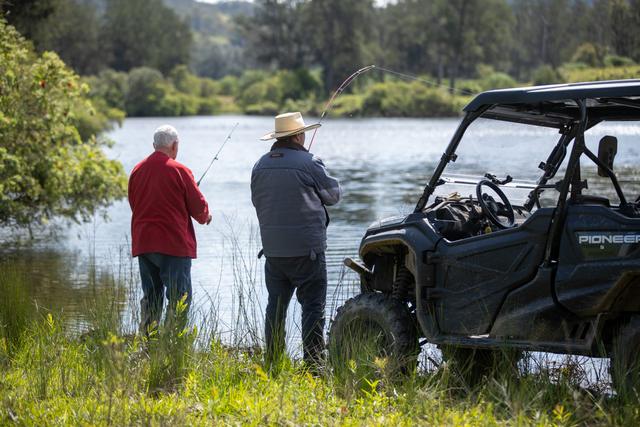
182, 375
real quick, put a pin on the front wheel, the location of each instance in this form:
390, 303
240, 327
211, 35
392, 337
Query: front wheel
373, 332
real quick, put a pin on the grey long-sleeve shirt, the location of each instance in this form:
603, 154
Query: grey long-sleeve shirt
289, 188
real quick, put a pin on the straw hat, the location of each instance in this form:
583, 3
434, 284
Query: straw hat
288, 124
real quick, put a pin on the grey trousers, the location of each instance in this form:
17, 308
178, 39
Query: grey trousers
308, 278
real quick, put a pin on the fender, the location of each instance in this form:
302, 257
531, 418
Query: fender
420, 240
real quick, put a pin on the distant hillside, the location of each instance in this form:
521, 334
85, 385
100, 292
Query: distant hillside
206, 18
217, 48
211, 18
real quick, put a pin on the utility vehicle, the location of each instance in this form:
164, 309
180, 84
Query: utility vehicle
479, 274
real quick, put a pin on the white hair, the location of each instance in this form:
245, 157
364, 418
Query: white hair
164, 136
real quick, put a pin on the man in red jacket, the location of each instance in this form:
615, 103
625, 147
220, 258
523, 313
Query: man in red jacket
164, 197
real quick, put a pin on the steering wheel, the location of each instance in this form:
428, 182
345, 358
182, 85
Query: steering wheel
492, 209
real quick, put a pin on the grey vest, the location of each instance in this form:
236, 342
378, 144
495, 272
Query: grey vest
289, 189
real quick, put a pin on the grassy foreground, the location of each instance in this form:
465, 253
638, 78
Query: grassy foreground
51, 374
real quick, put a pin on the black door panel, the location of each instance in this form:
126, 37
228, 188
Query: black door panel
477, 273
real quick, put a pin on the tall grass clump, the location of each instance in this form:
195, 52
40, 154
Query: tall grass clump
170, 349
16, 307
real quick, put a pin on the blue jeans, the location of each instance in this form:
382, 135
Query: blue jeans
308, 278
162, 274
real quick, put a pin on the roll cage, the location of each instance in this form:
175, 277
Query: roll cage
572, 109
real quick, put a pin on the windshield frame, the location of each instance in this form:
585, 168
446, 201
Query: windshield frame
571, 140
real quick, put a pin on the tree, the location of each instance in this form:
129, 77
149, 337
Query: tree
27, 15
409, 36
144, 33
635, 20
72, 31
47, 167
624, 15
339, 32
545, 36
473, 32
275, 34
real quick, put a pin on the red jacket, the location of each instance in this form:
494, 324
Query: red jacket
163, 196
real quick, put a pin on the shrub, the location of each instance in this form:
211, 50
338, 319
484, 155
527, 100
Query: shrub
545, 75
208, 106
267, 108
146, 90
96, 119
111, 87
469, 86
229, 85
306, 105
497, 81
51, 163
209, 88
258, 91
400, 99
269, 91
587, 53
184, 81
299, 84
250, 77
189, 105
617, 61
348, 105
430, 102
607, 73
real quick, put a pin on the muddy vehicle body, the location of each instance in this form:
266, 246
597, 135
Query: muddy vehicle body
480, 273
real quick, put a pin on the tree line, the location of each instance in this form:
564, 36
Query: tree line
93, 35
445, 39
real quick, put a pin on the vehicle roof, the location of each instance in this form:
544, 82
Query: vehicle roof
554, 105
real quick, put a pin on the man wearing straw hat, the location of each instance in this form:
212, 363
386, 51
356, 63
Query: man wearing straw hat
290, 188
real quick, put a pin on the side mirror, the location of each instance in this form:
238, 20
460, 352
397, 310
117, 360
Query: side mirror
607, 150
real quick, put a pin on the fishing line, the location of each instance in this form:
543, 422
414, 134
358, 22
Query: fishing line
363, 70
216, 156
338, 91
429, 82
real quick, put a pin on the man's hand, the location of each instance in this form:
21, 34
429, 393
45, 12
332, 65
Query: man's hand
208, 220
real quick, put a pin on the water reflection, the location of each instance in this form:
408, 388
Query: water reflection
65, 283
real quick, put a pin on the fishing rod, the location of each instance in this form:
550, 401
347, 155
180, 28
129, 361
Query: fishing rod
338, 91
216, 156
363, 70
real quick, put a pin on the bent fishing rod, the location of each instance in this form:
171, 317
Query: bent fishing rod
216, 156
337, 92
363, 70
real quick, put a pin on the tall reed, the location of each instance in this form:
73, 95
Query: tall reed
16, 307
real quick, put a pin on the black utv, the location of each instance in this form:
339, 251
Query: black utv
479, 274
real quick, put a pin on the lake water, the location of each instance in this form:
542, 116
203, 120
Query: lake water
382, 164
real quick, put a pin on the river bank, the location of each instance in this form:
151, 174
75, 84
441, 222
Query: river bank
50, 373
144, 92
